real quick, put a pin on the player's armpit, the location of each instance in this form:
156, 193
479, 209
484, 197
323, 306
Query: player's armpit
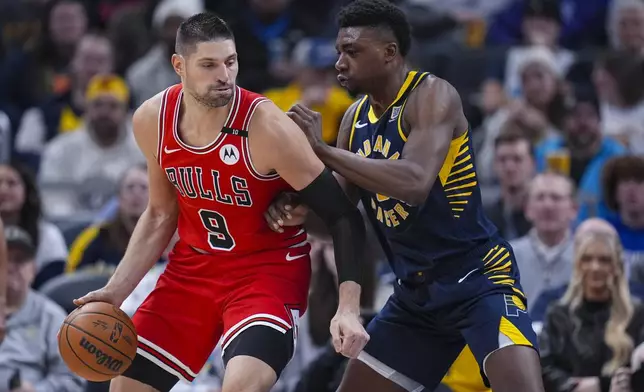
433, 112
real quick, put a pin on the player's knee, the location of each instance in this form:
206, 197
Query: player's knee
505, 376
248, 374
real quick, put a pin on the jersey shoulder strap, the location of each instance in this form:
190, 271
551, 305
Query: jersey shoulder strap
243, 109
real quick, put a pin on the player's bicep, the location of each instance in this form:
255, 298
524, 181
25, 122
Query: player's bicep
434, 114
161, 192
288, 150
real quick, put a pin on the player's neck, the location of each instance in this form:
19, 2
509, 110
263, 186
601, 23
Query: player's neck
385, 93
200, 116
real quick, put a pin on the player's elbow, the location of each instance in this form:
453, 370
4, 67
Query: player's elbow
416, 188
415, 195
162, 215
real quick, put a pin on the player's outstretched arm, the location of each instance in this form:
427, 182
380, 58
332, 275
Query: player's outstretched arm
156, 225
433, 112
285, 150
288, 209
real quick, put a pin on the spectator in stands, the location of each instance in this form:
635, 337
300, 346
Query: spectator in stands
623, 188
584, 149
81, 169
63, 112
153, 72
541, 26
101, 248
538, 112
582, 23
592, 331
625, 25
265, 33
514, 167
29, 357
128, 31
589, 226
39, 68
20, 206
315, 85
619, 80
545, 255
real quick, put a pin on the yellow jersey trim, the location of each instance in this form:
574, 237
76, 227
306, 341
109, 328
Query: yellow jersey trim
410, 76
355, 119
79, 247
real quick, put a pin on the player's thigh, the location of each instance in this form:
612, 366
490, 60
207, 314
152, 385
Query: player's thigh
499, 332
406, 349
178, 327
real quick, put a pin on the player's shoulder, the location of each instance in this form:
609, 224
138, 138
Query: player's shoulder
149, 110
434, 98
349, 114
436, 88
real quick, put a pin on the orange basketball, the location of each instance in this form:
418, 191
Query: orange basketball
97, 341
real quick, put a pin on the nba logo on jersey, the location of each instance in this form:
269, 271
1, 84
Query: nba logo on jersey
513, 305
229, 154
395, 112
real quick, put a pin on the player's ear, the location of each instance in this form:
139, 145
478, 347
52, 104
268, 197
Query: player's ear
391, 50
178, 63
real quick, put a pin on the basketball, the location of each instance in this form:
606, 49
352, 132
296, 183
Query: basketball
97, 341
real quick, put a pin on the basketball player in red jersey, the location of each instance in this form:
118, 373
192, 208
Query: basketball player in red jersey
218, 155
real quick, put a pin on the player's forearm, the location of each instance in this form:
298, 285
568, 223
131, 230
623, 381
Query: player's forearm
151, 235
399, 179
327, 200
349, 297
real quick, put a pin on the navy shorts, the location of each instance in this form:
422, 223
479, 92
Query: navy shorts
425, 326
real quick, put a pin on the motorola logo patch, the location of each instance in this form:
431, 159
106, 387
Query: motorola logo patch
229, 154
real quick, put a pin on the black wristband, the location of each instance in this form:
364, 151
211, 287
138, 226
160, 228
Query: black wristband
325, 197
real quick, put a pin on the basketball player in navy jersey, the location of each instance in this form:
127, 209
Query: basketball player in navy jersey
405, 150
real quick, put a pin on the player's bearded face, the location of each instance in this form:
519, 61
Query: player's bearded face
214, 95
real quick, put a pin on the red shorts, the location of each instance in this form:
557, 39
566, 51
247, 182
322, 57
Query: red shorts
200, 299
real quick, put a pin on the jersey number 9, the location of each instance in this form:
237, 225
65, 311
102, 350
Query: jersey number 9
218, 236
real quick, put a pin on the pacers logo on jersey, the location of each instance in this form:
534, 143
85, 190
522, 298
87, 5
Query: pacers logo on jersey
514, 305
229, 154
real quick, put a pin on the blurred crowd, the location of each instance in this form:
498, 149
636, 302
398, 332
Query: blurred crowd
553, 90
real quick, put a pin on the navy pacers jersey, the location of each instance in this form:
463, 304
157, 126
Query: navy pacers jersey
450, 223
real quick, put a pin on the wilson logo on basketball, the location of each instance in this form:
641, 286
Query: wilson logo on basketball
103, 359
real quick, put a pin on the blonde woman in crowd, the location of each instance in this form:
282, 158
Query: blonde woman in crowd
590, 334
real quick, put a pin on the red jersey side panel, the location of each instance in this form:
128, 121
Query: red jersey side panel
222, 198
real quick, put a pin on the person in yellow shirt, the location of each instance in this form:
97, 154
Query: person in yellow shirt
315, 85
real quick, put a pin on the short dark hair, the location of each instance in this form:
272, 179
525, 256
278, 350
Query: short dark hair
378, 14
616, 170
202, 27
510, 134
627, 68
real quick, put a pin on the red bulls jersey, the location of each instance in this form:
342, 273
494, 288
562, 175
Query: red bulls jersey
222, 198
